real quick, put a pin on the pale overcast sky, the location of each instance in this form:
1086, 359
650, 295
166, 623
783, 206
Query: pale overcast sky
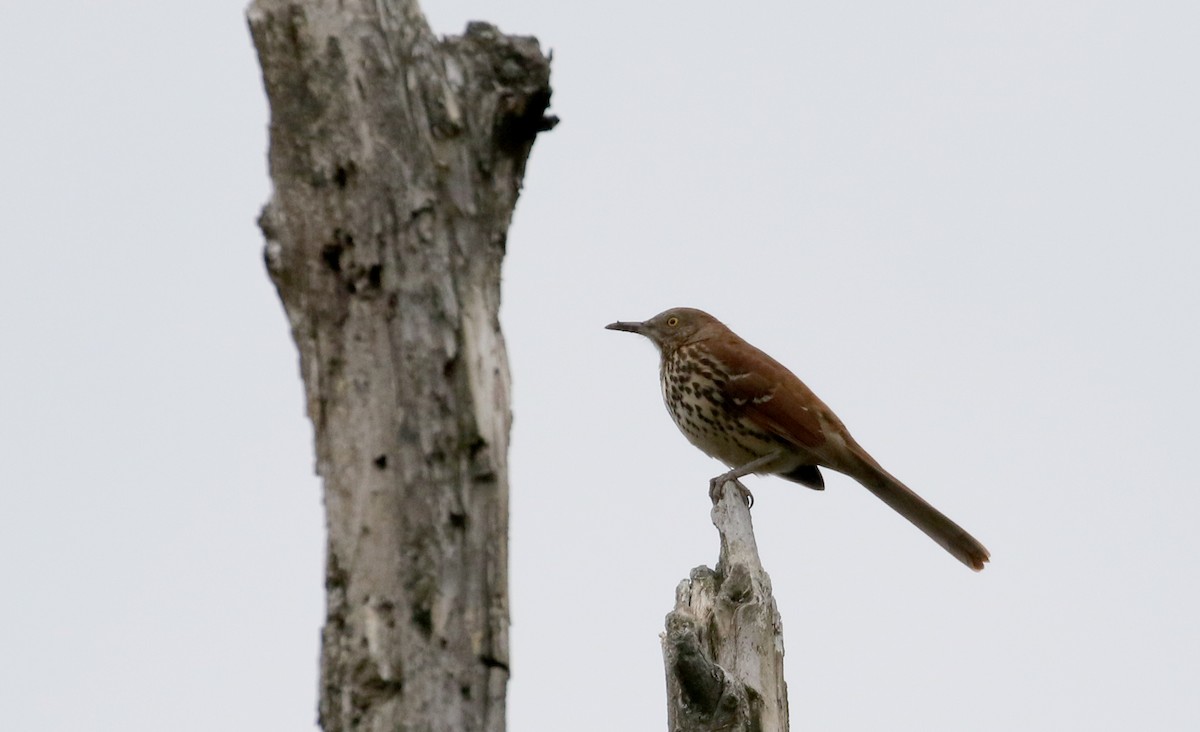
972, 228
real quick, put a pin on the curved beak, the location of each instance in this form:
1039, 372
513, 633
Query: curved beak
631, 327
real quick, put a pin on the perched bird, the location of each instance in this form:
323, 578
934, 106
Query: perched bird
744, 408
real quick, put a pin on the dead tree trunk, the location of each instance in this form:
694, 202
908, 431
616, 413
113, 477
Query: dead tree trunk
397, 159
723, 646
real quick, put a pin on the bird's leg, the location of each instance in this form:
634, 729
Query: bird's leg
714, 485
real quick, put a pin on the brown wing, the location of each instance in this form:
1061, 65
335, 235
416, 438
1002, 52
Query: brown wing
765, 392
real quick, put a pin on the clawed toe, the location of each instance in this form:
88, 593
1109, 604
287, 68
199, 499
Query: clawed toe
714, 490
747, 496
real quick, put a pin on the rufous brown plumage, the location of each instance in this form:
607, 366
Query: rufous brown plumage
741, 406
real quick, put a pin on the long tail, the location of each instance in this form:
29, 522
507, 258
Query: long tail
936, 525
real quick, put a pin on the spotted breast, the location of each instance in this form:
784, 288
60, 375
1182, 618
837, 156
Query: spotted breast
694, 390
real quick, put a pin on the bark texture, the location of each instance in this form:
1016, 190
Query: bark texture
397, 159
723, 646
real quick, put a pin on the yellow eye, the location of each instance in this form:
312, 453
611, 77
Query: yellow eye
672, 321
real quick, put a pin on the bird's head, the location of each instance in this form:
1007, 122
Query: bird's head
673, 328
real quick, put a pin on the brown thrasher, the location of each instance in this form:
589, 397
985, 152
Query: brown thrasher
744, 408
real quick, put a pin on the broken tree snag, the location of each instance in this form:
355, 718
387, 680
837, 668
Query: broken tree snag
723, 646
397, 158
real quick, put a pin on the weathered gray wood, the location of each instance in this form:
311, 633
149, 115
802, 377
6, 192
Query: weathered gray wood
723, 646
397, 159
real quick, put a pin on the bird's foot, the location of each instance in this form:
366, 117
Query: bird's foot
714, 490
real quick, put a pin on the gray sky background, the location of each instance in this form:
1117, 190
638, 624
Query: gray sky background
972, 228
